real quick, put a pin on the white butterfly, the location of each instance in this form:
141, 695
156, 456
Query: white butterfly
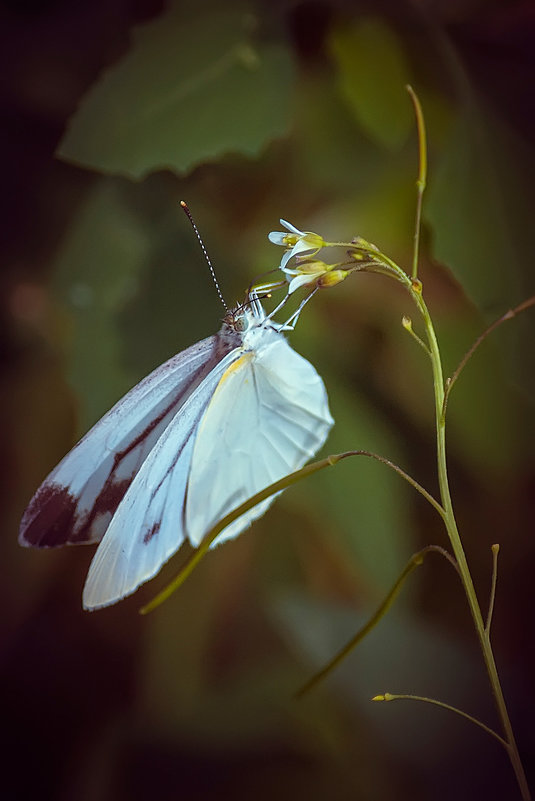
201, 434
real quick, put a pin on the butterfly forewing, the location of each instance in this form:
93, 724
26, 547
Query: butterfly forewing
78, 499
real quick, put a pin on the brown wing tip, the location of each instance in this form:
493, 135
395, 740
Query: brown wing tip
49, 519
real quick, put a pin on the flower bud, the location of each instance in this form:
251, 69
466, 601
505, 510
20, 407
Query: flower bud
332, 278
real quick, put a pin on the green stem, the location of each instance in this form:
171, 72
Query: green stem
456, 544
422, 175
406, 322
509, 315
415, 560
495, 550
442, 705
200, 552
204, 547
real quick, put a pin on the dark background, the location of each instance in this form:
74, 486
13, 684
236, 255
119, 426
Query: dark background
102, 280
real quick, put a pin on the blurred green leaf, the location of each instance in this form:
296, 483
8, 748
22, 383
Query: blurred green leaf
480, 428
191, 88
367, 501
362, 503
372, 73
96, 271
477, 208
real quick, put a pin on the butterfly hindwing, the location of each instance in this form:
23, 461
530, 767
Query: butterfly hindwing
267, 417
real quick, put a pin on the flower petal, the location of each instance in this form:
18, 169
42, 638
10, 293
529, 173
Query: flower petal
302, 246
291, 228
277, 237
298, 281
285, 259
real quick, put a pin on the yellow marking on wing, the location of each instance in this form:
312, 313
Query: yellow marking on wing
237, 365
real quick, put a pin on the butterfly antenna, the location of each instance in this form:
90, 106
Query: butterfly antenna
206, 256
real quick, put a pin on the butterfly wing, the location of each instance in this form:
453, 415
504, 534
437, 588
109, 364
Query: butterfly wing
148, 526
77, 500
267, 417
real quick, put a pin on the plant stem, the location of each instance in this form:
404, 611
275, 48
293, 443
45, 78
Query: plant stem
442, 705
495, 550
456, 544
422, 175
509, 315
415, 560
200, 552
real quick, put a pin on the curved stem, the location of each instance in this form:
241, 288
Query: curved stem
442, 705
267, 492
526, 304
204, 547
415, 560
495, 551
457, 546
422, 175
409, 479
406, 322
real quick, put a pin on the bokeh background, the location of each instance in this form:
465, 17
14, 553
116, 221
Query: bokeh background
114, 110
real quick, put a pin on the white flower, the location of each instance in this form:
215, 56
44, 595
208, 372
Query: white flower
305, 272
296, 242
315, 273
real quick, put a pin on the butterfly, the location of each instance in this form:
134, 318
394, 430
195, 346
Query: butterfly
201, 434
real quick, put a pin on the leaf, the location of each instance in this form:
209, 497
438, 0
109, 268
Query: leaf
372, 74
369, 502
362, 503
479, 206
481, 428
466, 209
191, 88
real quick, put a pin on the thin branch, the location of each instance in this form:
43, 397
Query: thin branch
278, 486
495, 551
407, 477
406, 322
422, 175
434, 702
526, 304
203, 548
415, 560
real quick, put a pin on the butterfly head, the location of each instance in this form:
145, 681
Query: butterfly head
246, 315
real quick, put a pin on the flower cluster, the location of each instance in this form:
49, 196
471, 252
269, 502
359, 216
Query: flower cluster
306, 271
